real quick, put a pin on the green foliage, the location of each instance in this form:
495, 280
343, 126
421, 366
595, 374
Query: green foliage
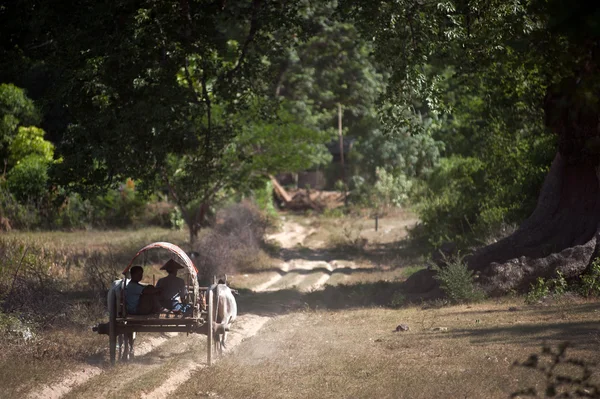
590, 281
19, 215
332, 67
483, 81
402, 143
176, 219
333, 213
466, 198
453, 200
74, 213
118, 207
28, 179
539, 290
388, 191
457, 281
30, 141
559, 283
279, 144
16, 110
542, 288
264, 199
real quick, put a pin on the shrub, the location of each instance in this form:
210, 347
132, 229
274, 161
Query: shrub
542, 288
119, 207
159, 212
16, 215
457, 281
590, 281
388, 191
452, 203
74, 213
264, 199
539, 290
234, 243
28, 179
176, 219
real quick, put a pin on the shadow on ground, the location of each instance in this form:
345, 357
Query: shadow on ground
417, 288
405, 251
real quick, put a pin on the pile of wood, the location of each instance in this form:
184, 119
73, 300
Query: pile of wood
302, 199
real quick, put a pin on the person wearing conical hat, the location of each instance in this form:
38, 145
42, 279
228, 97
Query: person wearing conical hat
173, 288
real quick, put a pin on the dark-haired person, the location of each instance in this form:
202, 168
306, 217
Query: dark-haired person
141, 299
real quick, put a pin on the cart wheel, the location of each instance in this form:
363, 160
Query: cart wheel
112, 326
112, 336
209, 343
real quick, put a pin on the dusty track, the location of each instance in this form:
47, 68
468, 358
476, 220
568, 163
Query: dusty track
302, 274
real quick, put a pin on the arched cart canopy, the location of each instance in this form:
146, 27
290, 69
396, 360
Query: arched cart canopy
173, 249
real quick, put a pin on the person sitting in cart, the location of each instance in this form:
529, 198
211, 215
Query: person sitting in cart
141, 299
174, 289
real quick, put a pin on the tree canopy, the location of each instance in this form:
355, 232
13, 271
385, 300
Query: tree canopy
464, 104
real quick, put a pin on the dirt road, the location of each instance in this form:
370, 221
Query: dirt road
165, 362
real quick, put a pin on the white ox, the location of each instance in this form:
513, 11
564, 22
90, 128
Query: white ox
124, 341
224, 314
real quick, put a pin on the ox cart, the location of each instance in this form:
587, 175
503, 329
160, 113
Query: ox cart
121, 327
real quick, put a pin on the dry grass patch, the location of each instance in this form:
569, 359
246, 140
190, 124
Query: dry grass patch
100, 240
356, 354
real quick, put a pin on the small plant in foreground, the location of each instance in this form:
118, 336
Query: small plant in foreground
590, 282
542, 288
565, 377
457, 281
539, 290
559, 283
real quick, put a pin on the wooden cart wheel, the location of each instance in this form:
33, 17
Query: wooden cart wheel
209, 343
112, 333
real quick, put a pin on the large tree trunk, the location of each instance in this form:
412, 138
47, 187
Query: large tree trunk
563, 232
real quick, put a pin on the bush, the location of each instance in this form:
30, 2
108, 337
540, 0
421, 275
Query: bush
28, 179
542, 288
234, 243
159, 212
452, 204
119, 207
457, 281
176, 221
590, 281
16, 215
539, 290
26, 283
388, 191
264, 199
74, 213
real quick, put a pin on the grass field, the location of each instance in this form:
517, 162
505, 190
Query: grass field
356, 353
331, 304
